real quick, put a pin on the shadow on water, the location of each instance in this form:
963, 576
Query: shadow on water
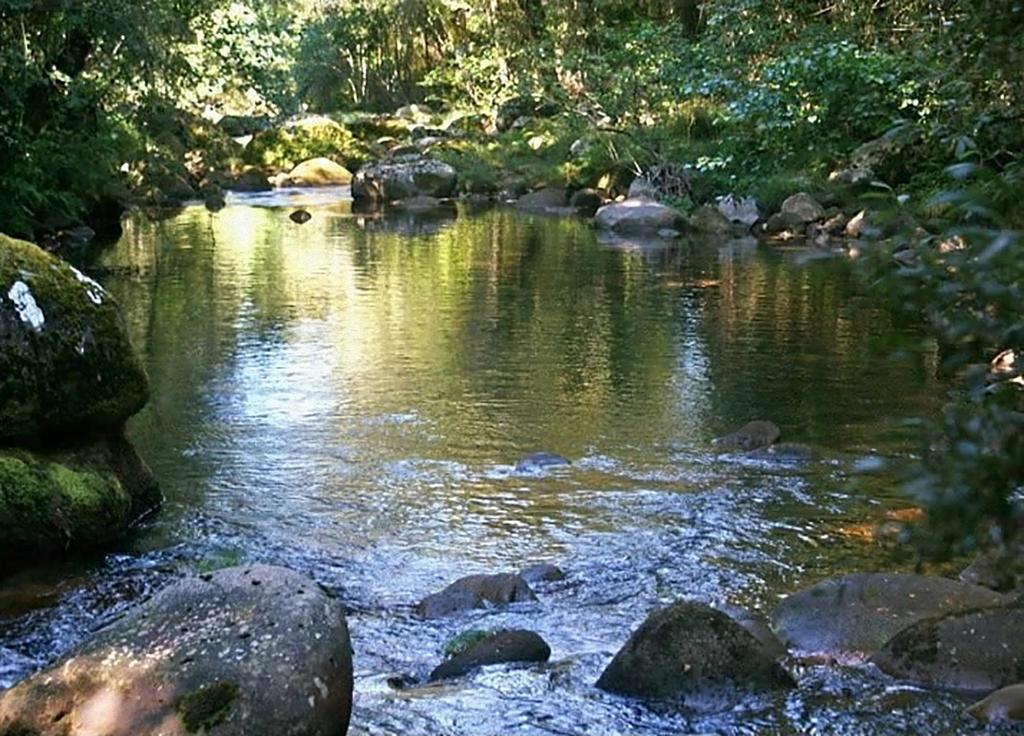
348, 397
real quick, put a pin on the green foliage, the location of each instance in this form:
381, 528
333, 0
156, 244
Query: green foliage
969, 285
285, 147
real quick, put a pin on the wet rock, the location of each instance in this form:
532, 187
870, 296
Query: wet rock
802, 208
751, 436
758, 628
1001, 570
973, 650
213, 198
300, 217
542, 572
550, 198
246, 650
709, 221
694, 655
425, 204
538, 461
504, 646
57, 500
1002, 705
404, 177
66, 364
739, 210
859, 613
638, 216
317, 172
476, 591
586, 202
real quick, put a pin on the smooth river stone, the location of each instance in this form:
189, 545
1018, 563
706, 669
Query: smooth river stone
859, 613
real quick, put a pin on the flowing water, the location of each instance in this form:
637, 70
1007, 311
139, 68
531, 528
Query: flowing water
349, 398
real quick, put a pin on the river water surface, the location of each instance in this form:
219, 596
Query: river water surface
349, 398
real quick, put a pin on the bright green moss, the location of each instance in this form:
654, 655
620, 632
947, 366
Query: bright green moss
47, 506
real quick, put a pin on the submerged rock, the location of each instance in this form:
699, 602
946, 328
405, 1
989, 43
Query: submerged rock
245, 650
404, 177
497, 648
966, 650
1002, 705
542, 572
300, 217
786, 452
694, 655
751, 436
66, 363
638, 215
476, 591
859, 613
538, 461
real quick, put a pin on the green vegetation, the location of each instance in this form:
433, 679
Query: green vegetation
464, 640
207, 707
102, 101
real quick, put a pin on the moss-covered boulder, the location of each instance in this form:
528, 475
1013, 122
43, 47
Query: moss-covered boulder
70, 498
244, 650
66, 364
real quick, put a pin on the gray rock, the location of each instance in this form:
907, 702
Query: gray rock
246, 650
498, 648
541, 200
853, 176
542, 572
586, 202
249, 181
538, 461
782, 223
859, 613
998, 570
709, 221
300, 217
974, 650
739, 210
751, 436
404, 177
643, 188
1002, 705
694, 655
638, 216
803, 208
758, 628
476, 591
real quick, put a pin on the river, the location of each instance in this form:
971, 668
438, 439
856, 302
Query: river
349, 397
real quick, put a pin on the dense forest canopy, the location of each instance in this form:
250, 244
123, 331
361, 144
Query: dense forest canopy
105, 100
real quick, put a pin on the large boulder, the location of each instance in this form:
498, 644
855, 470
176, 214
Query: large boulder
544, 200
970, 650
498, 648
70, 498
694, 655
66, 364
317, 172
242, 651
476, 591
404, 177
638, 216
802, 208
859, 613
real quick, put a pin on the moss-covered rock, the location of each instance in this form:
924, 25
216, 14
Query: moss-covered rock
70, 498
66, 364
